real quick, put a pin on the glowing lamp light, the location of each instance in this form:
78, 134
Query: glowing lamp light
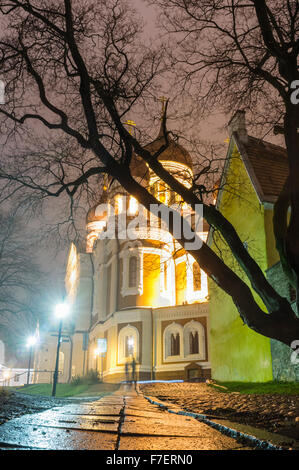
62, 310
32, 340
6, 375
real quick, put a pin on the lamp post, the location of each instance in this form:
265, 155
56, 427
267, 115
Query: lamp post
7, 378
30, 343
61, 312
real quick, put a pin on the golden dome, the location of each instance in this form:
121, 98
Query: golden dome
174, 152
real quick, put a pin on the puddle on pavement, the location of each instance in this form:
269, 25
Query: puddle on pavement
263, 435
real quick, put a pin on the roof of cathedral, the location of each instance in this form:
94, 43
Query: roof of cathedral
174, 152
138, 167
267, 166
91, 214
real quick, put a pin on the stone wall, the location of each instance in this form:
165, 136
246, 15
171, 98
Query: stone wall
283, 368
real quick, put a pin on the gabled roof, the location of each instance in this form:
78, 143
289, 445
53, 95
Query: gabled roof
266, 165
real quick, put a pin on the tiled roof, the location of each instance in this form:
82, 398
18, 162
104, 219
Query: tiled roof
267, 165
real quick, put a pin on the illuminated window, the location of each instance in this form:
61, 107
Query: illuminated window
128, 343
133, 206
119, 206
196, 277
132, 271
129, 346
161, 192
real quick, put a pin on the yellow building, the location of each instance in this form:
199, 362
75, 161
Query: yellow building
135, 292
253, 176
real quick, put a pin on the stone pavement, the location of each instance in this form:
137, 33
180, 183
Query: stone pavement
124, 420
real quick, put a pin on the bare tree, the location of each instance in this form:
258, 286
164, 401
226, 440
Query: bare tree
245, 54
79, 69
21, 280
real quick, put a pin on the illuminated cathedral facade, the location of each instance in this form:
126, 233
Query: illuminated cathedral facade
134, 296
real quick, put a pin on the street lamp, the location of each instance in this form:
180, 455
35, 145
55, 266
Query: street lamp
7, 377
61, 311
32, 340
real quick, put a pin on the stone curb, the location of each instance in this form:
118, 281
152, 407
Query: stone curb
252, 440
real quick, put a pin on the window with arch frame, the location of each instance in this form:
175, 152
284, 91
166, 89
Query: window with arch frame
128, 343
194, 339
175, 344
133, 271
196, 277
193, 342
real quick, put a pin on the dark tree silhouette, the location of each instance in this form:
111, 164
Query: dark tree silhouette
78, 69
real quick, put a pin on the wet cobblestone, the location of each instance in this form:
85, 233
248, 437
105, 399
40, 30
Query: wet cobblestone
274, 413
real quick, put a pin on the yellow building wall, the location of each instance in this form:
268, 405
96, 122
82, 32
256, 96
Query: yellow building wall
237, 352
181, 282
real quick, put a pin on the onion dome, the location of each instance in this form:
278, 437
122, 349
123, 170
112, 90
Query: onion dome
174, 152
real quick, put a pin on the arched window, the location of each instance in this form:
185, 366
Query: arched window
128, 344
175, 344
132, 271
194, 340
196, 277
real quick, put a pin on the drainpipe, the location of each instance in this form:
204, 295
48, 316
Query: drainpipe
154, 339
92, 290
117, 272
86, 360
71, 358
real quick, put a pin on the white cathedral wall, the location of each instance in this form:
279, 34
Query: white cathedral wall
111, 330
78, 355
83, 302
45, 359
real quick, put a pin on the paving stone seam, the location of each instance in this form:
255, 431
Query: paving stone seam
121, 421
105, 431
251, 440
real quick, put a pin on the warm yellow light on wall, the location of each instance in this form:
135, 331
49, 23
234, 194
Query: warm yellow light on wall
119, 204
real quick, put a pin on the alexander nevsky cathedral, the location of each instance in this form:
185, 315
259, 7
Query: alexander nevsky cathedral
140, 297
